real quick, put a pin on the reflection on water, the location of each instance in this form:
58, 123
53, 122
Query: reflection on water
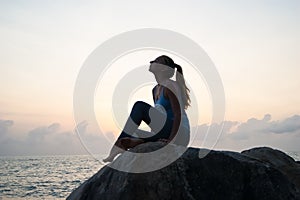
44, 176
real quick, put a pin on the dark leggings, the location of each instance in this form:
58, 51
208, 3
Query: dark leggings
159, 123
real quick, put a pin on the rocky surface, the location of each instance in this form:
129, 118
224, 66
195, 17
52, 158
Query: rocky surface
278, 160
259, 173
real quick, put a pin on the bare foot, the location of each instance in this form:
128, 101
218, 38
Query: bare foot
122, 145
110, 158
115, 150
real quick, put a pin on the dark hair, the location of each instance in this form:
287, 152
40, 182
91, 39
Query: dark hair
166, 60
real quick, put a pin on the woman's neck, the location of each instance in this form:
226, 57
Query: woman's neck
163, 82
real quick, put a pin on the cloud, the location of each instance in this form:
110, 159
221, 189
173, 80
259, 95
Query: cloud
208, 133
266, 126
45, 140
289, 125
244, 130
4, 130
93, 141
81, 127
38, 135
4, 126
283, 134
50, 139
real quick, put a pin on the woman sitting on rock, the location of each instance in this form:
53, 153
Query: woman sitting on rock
168, 120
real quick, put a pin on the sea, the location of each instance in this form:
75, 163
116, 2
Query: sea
44, 177
49, 177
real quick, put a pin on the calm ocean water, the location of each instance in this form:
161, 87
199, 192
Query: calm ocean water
44, 177
49, 177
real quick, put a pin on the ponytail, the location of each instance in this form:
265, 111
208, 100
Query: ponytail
184, 89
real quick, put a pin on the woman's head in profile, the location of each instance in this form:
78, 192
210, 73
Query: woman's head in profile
163, 68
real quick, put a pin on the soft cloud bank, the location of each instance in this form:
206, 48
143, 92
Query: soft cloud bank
49, 140
283, 134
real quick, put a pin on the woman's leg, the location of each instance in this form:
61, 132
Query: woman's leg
142, 111
139, 113
115, 150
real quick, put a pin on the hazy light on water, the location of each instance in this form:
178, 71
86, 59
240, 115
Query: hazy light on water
44, 176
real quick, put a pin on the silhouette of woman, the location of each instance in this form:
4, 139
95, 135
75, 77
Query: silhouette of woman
168, 120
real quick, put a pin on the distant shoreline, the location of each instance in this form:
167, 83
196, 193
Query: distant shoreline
294, 154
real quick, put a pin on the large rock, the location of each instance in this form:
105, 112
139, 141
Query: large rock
278, 160
260, 173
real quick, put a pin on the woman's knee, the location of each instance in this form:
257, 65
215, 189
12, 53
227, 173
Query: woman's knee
140, 111
139, 105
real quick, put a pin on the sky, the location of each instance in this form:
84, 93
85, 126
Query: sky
254, 46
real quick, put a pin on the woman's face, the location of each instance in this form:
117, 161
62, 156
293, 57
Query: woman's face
161, 72
157, 68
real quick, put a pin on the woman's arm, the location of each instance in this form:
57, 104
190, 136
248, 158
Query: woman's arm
176, 111
153, 93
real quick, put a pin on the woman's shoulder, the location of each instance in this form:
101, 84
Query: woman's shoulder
154, 87
172, 87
